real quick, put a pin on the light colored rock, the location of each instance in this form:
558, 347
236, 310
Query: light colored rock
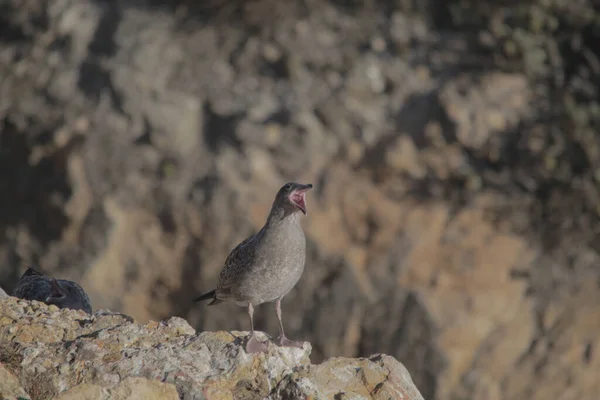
469, 264
481, 110
106, 356
377, 377
84, 391
3, 294
10, 388
131, 388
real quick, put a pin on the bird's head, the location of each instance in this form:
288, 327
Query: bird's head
292, 196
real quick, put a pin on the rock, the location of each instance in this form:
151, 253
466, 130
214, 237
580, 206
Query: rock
3, 294
455, 219
10, 388
66, 354
130, 388
492, 106
379, 376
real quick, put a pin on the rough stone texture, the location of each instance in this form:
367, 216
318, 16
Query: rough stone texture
454, 221
130, 388
72, 355
10, 388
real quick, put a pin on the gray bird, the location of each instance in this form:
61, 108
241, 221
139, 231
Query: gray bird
266, 266
34, 285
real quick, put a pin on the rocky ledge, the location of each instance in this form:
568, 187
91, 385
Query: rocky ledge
65, 354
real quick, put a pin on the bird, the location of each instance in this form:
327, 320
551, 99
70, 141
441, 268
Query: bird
33, 285
264, 267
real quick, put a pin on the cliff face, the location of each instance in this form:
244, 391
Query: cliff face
454, 221
64, 354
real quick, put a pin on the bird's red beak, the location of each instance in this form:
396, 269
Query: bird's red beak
298, 197
55, 291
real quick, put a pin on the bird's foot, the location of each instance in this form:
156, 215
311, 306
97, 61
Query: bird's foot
285, 342
253, 345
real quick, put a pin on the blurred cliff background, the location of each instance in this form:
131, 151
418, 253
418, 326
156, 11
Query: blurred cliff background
453, 146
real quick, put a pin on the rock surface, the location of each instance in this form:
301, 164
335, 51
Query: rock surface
10, 388
134, 388
67, 354
453, 146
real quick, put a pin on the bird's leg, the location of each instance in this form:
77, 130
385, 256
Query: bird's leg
254, 345
283, 341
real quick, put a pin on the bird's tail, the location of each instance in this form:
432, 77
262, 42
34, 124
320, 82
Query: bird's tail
209, 295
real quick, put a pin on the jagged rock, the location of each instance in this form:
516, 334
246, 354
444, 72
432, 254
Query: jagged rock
130, 388
10, 388
72, 355
2, 293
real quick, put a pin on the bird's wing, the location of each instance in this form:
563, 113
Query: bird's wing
236, 265
87, 304
32, 287
81, 295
